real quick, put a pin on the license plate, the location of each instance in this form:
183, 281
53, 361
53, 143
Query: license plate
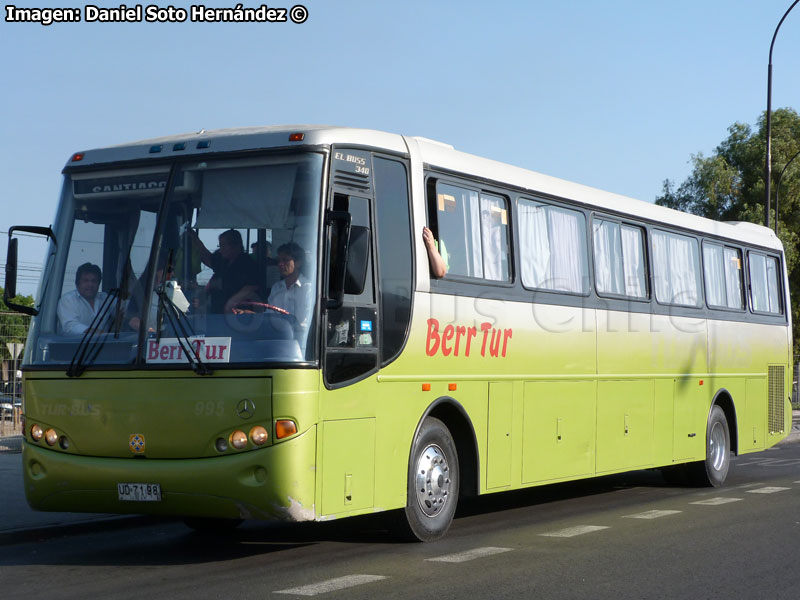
139, 492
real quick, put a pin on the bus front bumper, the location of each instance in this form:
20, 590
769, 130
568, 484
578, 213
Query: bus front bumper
273, 483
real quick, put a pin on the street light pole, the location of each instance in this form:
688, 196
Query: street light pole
768, 168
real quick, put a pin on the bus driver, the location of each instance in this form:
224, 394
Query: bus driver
293, 292
77, 309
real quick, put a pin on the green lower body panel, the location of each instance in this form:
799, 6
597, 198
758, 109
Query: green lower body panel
276, 482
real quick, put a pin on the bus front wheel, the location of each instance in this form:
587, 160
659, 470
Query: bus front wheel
714, 469
433, 481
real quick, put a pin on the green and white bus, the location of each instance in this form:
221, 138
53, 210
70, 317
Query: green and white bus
575, 333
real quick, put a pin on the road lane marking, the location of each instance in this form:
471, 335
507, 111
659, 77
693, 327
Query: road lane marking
768, 490
653, 514
469, 555
331, 585
573, 531
772, 462
716, 501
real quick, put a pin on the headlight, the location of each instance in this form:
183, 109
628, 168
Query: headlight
239, 440
36, 432
51, 437
259, 435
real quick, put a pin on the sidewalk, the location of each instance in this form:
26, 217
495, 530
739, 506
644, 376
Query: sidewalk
19, 522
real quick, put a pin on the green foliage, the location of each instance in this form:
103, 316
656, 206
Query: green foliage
13, 326
729, 186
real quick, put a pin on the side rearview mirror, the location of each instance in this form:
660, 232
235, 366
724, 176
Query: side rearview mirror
10, 290
338, 222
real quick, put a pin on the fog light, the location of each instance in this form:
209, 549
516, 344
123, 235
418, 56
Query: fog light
36, 432
63, 442
51, 437
259, 435
221, 445
238, 440
285, 428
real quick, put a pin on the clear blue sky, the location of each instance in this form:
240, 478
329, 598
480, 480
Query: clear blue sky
614, 94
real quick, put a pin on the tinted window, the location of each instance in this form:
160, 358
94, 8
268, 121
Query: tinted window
619, 259
553, 248
722, 271
394, 253
473, 232
676, 269
764, 286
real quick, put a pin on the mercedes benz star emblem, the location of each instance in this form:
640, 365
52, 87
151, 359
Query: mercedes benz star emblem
246, 408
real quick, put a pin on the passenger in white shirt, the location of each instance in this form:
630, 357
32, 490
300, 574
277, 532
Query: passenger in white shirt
77, 309
293, 292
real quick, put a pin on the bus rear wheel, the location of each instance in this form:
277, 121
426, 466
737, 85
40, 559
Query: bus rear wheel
713, 471
433, 481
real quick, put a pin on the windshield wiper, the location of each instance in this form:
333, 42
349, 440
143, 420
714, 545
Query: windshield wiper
183, 330
88, 348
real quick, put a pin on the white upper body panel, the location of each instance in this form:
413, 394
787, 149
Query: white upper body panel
432, 153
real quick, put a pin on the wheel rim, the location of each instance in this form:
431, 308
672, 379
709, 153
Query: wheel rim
717, 446
432, 480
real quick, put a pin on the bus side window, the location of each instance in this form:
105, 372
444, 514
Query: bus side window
471, 228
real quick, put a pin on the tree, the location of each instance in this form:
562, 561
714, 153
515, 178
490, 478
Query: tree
13, 325
729, 186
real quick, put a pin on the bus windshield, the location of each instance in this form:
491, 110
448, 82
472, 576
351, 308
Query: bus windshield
208, 261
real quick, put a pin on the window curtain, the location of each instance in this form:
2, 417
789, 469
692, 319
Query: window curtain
661, 267
758, 283
608, 257
633, 262
567, 259
716, 293
772, 286
476, 264
534, 244
493, 237
675, 263
733, 278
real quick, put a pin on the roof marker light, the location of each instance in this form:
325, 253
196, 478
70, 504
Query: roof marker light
77, 156
203, 145
297, 137
156, 149
179, 146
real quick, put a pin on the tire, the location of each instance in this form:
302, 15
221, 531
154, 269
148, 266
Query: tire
433, 482
713, 471
210, 526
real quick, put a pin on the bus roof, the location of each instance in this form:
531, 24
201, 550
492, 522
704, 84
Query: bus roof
433, 153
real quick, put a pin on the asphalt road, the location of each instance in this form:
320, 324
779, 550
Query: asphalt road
627, 536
